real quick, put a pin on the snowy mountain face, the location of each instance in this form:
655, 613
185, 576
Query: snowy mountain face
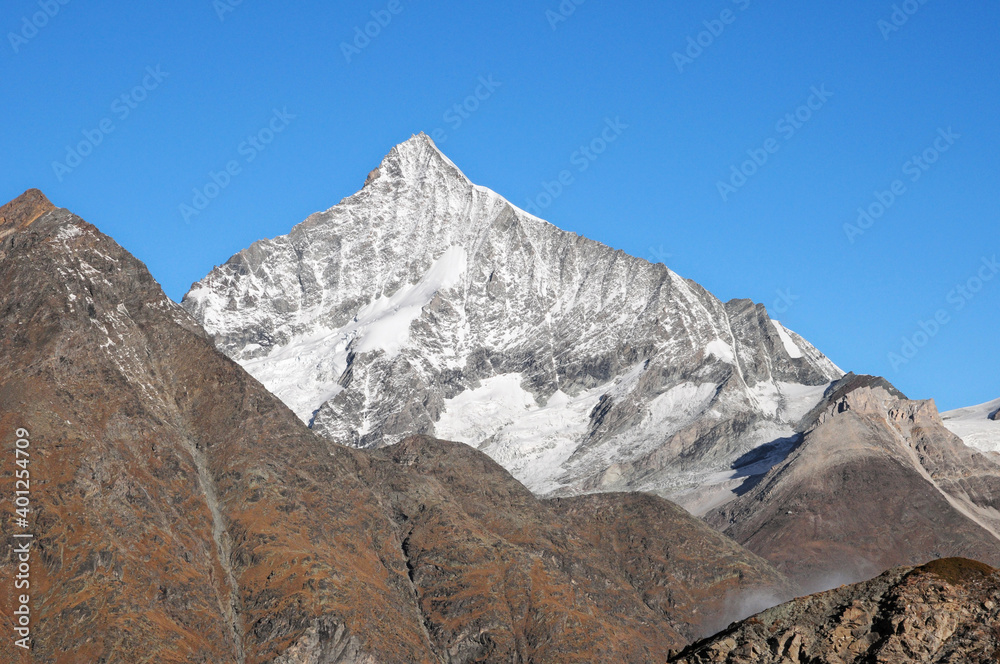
427, 304
977, 426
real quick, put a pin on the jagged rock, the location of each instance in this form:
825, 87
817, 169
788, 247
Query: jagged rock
945, 611
23, 211
876, 482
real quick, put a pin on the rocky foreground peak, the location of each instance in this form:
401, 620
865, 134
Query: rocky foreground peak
945, 611
23, 211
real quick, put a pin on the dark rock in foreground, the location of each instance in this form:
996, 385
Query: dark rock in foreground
944, 611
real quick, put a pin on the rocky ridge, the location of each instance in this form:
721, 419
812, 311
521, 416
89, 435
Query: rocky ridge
946, 611
876, 482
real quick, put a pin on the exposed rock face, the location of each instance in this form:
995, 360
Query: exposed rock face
876, 482
181, 513
945, 611
22, 211
427, 304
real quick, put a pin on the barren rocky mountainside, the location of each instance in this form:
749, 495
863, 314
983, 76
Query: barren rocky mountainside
877, 481
427, 304
945, 612
182, 513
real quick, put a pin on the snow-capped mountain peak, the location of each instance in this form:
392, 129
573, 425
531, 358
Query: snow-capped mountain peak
428, 304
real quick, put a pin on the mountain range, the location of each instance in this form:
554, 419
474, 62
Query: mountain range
428, 304
263, 473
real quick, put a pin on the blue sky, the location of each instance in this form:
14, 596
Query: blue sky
164, 95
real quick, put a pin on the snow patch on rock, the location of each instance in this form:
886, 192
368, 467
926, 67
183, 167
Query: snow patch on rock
793, 350
974, 426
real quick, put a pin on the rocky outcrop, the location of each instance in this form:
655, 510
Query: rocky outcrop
427, 304
181, 513
945, 611
876, 482
22, 211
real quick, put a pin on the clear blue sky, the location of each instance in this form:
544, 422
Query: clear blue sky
654, 192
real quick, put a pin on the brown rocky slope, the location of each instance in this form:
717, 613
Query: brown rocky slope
947, 611
876, 482
181, 513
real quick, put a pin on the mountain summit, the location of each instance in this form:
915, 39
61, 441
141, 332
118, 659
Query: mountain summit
23, 211
427, 304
